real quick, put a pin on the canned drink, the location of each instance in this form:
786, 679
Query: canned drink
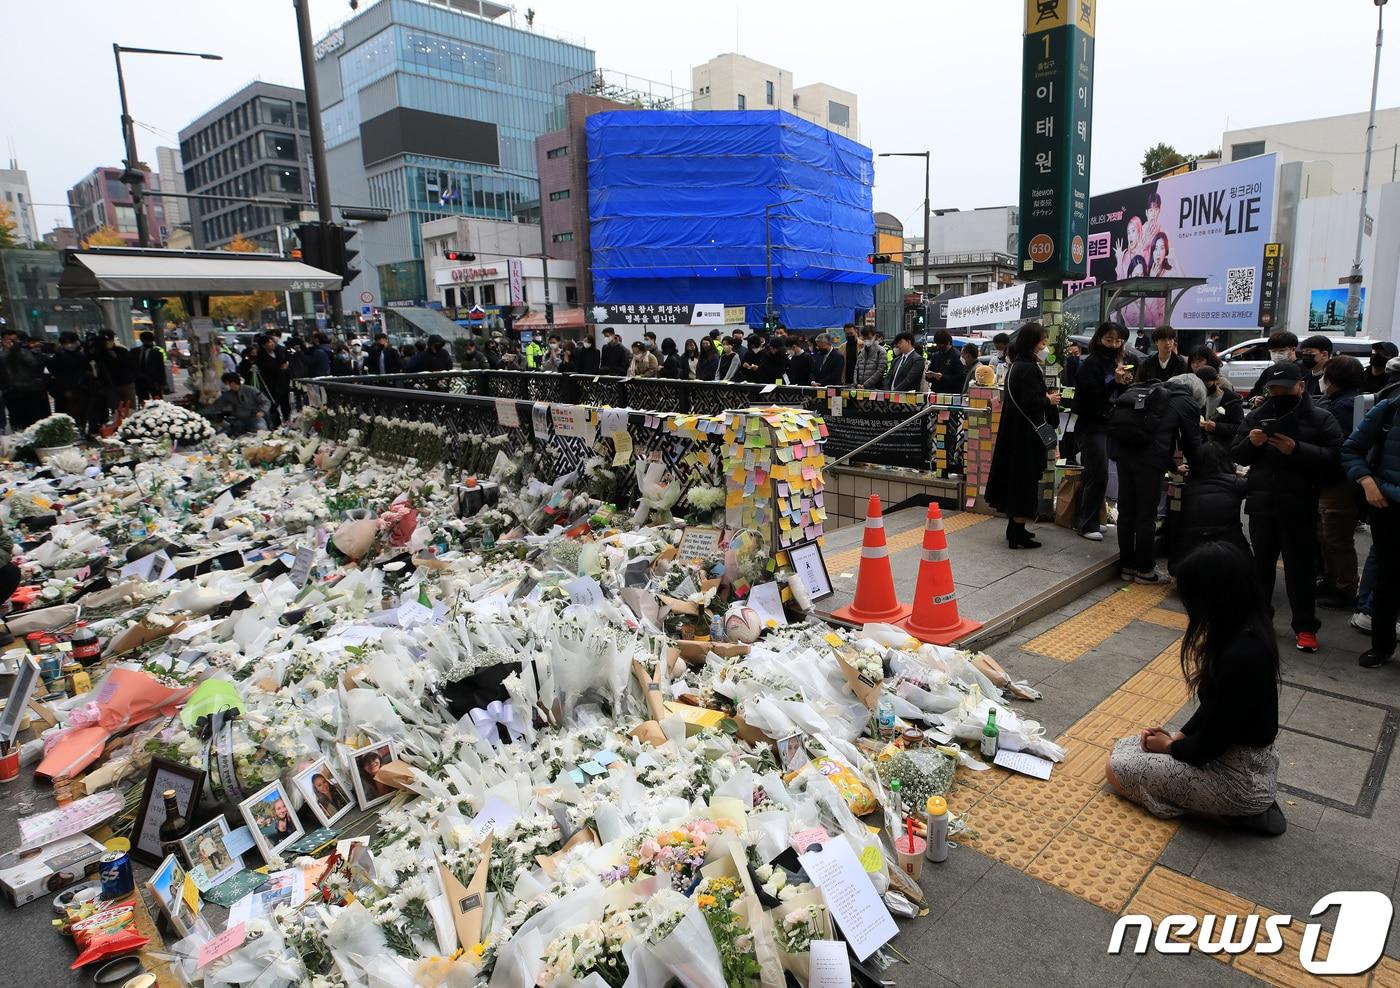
114, 871
51, 666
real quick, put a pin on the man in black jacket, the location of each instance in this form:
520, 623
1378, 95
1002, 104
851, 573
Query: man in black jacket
1283, 349
945, 367
799, 362
828, 363
1291, 447
1142, 469
382, 358
149, 369
71, 378
906, 371
437, 358
614, 358
852, 348
586, 358
22, 378
772, 363
274, 367
1167, 364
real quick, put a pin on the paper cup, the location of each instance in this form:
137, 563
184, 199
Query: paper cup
9, 766
910, 851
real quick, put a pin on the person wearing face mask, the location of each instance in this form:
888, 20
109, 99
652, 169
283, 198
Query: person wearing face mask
870, 364
1290, 446
852, 351
1314, 355
1376, 376
1167, 364
71, 378
1337, 504
1100, 379
1019, 457
1283, 349
1224, 407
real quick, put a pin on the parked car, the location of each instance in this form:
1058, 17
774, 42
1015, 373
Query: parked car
1244, 362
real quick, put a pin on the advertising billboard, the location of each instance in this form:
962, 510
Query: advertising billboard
1327, 308
1212, 224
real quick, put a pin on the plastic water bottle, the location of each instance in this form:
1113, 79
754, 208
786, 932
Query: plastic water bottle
716, 627
936, 829
884, 717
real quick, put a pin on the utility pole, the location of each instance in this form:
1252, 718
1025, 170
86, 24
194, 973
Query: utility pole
928, 206
1353, 317
318, 142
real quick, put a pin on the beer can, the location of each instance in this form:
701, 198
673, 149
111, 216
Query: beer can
114, 871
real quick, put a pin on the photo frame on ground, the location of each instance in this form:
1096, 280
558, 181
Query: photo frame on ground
188, 782
368, 761
325, 792
209, 861
168, 887
810, 566
271, 819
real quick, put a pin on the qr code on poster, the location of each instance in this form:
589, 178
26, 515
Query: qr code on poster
1239, 286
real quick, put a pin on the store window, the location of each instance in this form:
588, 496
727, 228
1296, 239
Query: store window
488, 294
1249, 149
561, 194
570, 295
562, 152
560, 238
277, 112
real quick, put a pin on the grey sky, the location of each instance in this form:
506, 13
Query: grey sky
933, 74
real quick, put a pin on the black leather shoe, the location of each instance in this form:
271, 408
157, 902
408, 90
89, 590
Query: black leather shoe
1371, 659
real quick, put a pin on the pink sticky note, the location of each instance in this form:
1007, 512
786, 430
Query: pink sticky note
230, 939
804, 839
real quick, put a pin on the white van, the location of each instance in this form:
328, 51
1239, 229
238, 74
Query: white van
1244, 362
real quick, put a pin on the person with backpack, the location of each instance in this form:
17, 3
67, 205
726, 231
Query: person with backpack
1290, 447
1167, 364
1148, 424
1210, 505
1029, 415
1099, 381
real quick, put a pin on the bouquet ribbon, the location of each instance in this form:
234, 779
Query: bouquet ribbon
496, 714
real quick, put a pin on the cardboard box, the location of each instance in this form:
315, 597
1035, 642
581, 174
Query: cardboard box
45, 871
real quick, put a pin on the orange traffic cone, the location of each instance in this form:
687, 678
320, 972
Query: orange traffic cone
875, 599
935, 618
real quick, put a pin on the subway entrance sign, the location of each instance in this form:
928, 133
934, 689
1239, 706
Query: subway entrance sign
1057, 97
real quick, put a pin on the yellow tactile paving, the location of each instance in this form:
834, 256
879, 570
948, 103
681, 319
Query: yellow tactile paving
1142, 711
1092, 626
1090, 869
1284, 969
1103, 729
849, 559
1124, 825
1056, 802
1386, 974
1169, 689
1165, 618
1166, 893
1083, 761
985, 781
1168, 661
962, 798
1006, 832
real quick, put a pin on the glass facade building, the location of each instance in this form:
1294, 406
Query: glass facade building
398, 82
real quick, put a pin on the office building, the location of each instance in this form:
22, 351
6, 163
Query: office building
970, 250
100, 199
1339, 141
254, 144
505, 278
61, 238
426, 107
14, 193
171, 176
737, 82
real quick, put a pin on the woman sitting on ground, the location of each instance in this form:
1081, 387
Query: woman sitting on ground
1223, 762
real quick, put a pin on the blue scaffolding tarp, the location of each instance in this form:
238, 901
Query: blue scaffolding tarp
676, 203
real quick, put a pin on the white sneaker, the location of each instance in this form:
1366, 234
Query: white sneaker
1092, 536
1361, 621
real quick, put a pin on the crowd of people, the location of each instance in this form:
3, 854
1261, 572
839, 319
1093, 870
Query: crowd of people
1315, 466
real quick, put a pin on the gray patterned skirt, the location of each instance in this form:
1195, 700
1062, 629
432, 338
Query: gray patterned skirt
1241, 782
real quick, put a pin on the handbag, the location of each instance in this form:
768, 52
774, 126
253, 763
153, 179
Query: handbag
1049, 437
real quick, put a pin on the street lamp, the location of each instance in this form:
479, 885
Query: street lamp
544, 253
132, 176
928, 205
768, 249
1353, 317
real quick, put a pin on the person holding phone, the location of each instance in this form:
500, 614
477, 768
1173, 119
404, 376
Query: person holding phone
1290, 446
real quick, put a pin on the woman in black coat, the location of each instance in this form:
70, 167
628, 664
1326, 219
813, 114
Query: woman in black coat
671, 364
1100, 380
1019, 460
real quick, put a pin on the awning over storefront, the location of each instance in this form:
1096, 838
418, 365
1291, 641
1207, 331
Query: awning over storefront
115, 272
563, 319
421, 321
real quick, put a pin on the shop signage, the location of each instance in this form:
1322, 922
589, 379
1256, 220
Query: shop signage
1018, 302
328, 44
474, 274
660, 313
1270, 273
1057, 94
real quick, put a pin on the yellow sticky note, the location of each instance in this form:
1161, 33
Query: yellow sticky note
872, 860
622, 444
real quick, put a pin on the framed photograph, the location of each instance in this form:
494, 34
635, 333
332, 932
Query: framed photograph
268, 813
187, 782
209, 860
168, 887
26, 678
791, 754
325, 792
810, 567
368, 762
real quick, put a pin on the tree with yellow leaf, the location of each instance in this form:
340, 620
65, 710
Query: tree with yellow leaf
248, 308
104, 236
8, 241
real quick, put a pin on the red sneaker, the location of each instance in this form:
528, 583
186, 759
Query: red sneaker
1307, 641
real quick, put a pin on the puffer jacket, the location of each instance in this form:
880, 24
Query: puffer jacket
1210, 506
870, 366
1356, 450
1178, 428
1281, 484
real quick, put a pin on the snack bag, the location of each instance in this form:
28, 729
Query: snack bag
107, 933
856, 793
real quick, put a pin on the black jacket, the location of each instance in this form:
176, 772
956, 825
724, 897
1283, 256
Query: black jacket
1241, 708
587, 360
69, 371
1210, 506
1095, 388
1229, 417
435, 361
614, 359
1179, 427
828, 367
149, 365
772, 367
905, 373
115, 368
799, 368
1019, 456
1289, 484
729, 367
275, 369
316, 361
851, 350
671, 365
383, 361
948, 363
1151, 369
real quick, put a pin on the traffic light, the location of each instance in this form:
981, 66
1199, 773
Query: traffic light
877, 258
549, 313
313, 246
770, 321
458, 255
151, 304
341, 253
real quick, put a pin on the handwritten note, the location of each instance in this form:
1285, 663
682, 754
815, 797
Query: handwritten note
585, 592
230, 939
854, 903
700, 543
830, 967
495, 815
767, 601
506, 413
622, 448
1027, 764
47, 827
